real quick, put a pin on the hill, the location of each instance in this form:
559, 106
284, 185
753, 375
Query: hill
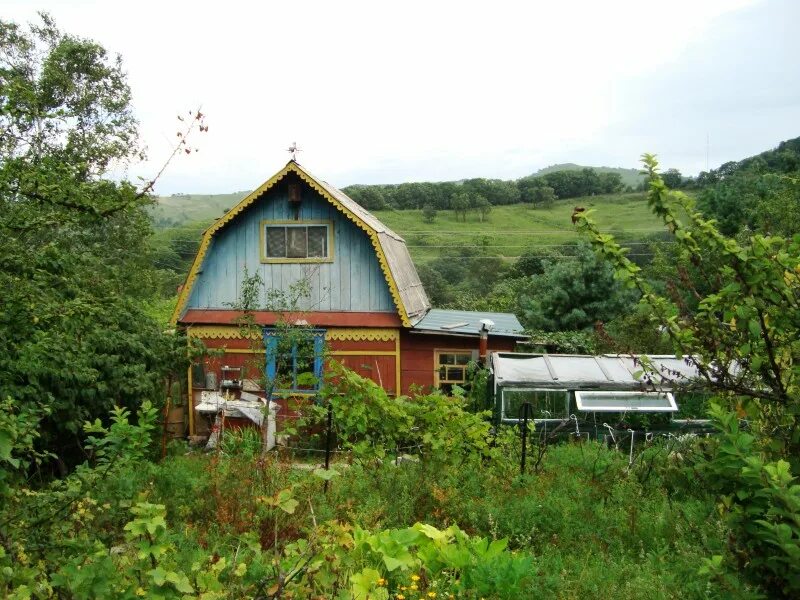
509, 231
631, 177
177, 209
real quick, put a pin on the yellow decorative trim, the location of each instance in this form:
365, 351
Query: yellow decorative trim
331, 242
218, 332
373, 235
353, 334
362, 352
292, 167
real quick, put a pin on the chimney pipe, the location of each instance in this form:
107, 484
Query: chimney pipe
483, 345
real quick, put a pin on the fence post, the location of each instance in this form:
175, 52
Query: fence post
526, 409
328, 443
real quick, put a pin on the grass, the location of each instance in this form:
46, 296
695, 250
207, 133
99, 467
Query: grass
509, 230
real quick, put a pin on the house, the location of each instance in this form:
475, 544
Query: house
362, 299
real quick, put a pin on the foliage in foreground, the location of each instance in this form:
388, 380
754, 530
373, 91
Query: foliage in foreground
241, 525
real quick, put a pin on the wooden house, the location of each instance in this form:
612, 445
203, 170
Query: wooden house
362, 300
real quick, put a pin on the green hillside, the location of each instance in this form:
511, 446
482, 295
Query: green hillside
509, 230
178, 209
631, 177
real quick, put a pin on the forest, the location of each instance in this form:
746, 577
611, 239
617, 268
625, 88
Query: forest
424, 497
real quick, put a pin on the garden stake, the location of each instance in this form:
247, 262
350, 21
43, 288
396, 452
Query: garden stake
328, 443
526, 409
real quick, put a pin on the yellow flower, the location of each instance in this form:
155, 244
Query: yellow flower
381, 581
413, 586
415, 578
431, 594
140, 591
400, 597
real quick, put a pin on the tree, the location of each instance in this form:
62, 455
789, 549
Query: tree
74, 259
574, 294
544, 196
483, 207
460, 204
744, 334
429, 213
672, 178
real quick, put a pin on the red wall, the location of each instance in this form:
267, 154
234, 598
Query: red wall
417, 355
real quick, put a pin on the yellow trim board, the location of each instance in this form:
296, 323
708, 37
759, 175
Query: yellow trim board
291, 167
218, 332
351, 334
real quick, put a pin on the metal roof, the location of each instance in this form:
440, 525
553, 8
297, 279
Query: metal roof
467, 322
415, 300
583, 372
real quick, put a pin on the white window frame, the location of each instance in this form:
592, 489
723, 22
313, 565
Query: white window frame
611, 407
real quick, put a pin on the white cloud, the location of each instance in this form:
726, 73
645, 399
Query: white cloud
380, 92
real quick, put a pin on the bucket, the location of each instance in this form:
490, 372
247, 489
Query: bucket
211, 381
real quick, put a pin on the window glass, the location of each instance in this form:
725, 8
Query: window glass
276, 242
452, 367
294, 359
545, 404
297, 241
625, 401
318, 241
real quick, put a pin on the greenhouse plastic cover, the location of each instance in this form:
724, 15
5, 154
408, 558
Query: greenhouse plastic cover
583, 372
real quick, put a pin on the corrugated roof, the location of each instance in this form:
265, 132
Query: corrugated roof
467, 322
404, 273
582, 372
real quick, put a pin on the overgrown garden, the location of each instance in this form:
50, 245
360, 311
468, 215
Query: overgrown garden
424, 498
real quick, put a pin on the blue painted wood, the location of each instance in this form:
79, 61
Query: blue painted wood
352, 282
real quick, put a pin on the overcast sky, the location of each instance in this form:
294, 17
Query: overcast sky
430, 91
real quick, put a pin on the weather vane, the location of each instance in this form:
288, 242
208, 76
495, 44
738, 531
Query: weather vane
293, 150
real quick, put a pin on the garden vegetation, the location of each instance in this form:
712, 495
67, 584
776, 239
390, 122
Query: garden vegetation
424, 498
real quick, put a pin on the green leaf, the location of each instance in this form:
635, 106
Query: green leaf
327, 475
6, 446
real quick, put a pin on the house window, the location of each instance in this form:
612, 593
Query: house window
294, 359
296, 242
451, 368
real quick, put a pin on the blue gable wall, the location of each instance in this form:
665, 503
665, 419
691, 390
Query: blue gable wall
352, 282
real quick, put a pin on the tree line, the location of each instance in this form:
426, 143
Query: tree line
472, 193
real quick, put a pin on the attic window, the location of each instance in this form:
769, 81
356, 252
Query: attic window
296, 242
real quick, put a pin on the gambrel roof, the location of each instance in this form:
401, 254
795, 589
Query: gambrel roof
395, 261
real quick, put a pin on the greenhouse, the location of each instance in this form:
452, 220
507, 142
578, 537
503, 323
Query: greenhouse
598, 393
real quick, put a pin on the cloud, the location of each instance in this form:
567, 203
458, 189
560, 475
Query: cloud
377, 92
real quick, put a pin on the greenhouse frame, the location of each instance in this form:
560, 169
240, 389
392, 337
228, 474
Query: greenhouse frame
599, 392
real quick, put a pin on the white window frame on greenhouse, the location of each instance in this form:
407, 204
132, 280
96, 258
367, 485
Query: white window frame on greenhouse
506, 419
611, 406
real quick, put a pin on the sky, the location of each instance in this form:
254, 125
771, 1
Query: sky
378, 92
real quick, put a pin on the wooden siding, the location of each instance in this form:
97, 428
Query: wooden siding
417, 353
352, 282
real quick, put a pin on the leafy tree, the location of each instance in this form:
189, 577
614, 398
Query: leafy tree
483, 207
74, 260
672, 178
744, 335
460, 204
609, 183
765, 202
429, 213
544, 196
